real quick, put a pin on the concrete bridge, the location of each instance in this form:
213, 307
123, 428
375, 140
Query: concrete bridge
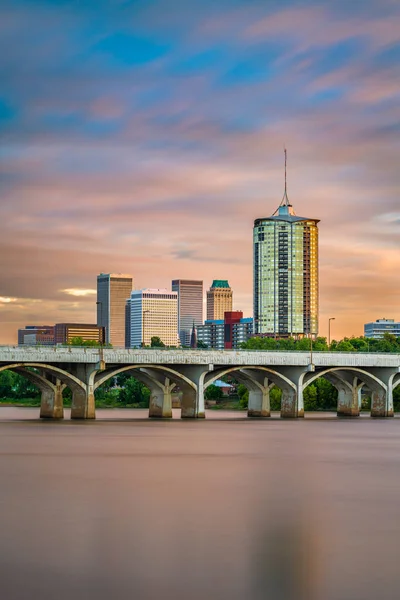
83, 370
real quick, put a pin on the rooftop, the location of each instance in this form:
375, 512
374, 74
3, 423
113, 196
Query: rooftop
220, 283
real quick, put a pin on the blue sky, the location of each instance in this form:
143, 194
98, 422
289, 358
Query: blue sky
145, 137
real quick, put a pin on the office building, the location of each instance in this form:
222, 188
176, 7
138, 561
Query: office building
219, 300
152, 313
377, 329
227, 333
190, 306
64, 333
285, 273
113, 289
34, 335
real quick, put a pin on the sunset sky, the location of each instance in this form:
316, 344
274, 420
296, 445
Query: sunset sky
145, 137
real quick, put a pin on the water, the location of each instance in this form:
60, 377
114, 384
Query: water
226, 508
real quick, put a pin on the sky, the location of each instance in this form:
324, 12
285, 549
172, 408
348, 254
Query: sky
145, 137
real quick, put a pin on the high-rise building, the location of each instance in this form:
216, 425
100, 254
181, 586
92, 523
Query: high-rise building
152, 313
190, 306
34, 335
377, 329
219, 300
286, 273
113, 289
64, 333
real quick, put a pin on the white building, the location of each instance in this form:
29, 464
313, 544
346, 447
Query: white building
377, 329
151, 313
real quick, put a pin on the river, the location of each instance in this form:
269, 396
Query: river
222, 508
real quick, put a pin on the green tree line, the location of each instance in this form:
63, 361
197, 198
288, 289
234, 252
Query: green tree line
389, 343
123, 390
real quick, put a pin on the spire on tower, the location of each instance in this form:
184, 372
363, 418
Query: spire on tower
285, 199
285, 207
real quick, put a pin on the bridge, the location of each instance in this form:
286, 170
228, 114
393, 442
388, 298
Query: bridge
83, 370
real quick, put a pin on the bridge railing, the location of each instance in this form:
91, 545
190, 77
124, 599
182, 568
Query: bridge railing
96, 349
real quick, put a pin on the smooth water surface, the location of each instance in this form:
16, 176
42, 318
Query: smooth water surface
225, 508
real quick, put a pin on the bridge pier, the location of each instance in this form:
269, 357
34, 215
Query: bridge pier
259, 405
51, 404
289, 406
348, 405
83, 405
192, 403
382, 400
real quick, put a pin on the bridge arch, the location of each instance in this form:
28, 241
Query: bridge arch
66, 377
277, 378
160, 380
349, 381
103, 376
259, 381
367, 378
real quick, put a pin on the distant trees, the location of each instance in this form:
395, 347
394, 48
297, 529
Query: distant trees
389, 343
201, 344
156, 342
79, 341
213, 392
16, 387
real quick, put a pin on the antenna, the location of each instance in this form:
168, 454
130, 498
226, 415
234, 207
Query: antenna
285, 172
285, 199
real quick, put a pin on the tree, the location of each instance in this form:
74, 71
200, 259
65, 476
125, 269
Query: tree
156, 342
310, 397
201, 344
79, 341
243, 394
213, 392
275, 397
134, 392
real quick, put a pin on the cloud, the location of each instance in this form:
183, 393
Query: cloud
158, 167
79, 292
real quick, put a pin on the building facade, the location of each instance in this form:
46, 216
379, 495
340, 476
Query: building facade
113, 289
64, 333
152, 313
219, 300
285, 271
378, 328
227, 333
34, 335
237, 329
190, 306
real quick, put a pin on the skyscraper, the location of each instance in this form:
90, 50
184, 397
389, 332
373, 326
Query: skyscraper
190, 306
219, 300
113, 289
285, 273
152, 313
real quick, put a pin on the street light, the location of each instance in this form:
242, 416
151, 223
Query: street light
329, 330
143, 322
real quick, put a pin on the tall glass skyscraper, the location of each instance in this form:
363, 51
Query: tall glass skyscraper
285, 273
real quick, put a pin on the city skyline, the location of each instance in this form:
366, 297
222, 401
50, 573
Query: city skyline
150, 148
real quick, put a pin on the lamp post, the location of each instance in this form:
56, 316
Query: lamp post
329, 330
145, 312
